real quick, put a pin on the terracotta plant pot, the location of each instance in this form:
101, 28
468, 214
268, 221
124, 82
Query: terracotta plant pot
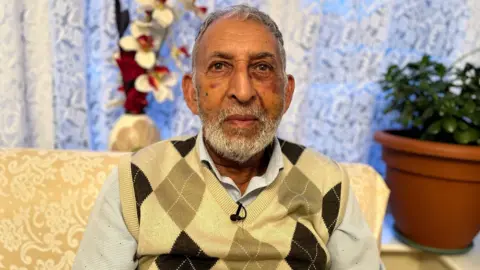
435, 191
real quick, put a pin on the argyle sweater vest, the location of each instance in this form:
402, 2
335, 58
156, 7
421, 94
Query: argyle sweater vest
179, 212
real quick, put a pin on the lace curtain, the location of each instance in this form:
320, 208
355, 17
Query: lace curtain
57, 73
50, 50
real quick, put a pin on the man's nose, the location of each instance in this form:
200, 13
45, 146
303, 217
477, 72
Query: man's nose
241, 87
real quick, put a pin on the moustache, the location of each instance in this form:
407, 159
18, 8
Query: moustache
255, 111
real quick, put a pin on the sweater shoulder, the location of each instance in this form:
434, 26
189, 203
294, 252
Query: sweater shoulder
179, 146
318, 167
141, 172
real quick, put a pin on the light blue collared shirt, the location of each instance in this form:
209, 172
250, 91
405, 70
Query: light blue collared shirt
107, 243
256, 184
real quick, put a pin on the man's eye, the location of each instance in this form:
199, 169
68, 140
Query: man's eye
263, 67
218, 66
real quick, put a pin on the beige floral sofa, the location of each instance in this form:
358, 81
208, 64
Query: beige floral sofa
46, 197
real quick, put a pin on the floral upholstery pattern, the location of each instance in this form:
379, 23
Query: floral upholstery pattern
46, 197
372, 194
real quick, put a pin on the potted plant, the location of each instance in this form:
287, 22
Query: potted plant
433, 163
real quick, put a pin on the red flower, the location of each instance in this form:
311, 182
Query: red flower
125, 54
184, 50
203, 9
135, 102
161, 69
190, 5
129, 68
154, 79
146, 42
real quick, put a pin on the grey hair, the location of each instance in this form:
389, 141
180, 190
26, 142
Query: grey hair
242, 12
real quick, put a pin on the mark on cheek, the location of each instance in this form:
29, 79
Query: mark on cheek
206, 94
213, 86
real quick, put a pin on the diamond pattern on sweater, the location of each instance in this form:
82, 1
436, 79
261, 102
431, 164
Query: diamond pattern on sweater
184, 147
331, 207
299, 195
181, 193
306, 252
185, 255
141, 186
291, 150
245, 245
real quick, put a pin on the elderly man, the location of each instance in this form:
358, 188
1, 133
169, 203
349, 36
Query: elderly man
234, 196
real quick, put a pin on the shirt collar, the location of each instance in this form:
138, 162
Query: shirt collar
274, 165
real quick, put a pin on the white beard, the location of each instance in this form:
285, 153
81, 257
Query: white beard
239, 147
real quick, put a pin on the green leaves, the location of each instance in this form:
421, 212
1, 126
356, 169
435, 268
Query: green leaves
427, 113
467, 136
469, 107
413, 66
441, 101
407, 114
462, 125
449, 124
425, 60
435, 128
440, 69
476, 118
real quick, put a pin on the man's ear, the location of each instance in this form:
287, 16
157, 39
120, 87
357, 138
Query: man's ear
289, 90
189, 93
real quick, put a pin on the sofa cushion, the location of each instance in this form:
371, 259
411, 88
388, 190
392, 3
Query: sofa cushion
46, 197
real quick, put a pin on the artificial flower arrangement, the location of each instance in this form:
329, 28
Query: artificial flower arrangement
137, 58
141, 73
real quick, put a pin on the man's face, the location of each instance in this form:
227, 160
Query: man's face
241, 90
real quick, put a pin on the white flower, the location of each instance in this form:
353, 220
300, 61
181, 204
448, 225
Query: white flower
159, 81
150, 28
455, 90
160, 12
199, 11
143, 42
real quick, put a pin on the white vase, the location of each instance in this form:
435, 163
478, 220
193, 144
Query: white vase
132, 132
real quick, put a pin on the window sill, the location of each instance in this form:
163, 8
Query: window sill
397, 255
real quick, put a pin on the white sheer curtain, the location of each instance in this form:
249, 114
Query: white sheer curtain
26, 75
55, 60
56, 73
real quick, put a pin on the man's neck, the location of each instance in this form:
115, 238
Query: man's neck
241, 174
